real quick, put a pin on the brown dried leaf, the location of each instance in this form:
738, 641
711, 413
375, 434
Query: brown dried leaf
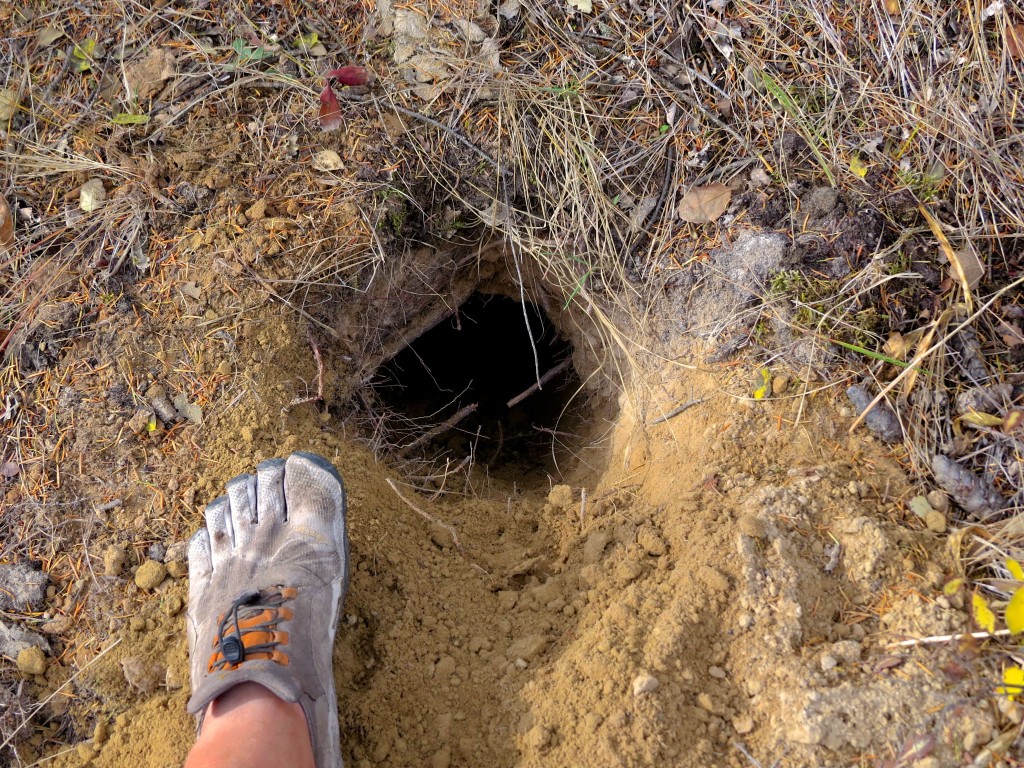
1014, 34
1011, 333
6, 225
703, 205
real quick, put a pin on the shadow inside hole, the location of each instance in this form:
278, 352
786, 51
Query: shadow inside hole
484, 355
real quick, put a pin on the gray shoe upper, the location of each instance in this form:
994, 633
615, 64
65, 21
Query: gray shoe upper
280, 529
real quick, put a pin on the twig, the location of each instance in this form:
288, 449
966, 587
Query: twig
677, 410
444, 426
537, 385
936, 639
319, 377
431, 519
583, 506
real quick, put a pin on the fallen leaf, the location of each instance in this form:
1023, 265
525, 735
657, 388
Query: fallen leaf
9, 100
6, 224
327, 160
48, 36
979, 419
950, 254
9, 469
973, 269
82, 55
1013, 420
584, 6
349, 75
1014, 35
763, 384
703, 205
1015, 612
305, 42
330, 110
858, 167
125, 118
91, 195
1011, 333
1013, 683
983, 615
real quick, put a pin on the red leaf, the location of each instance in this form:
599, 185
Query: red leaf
349, 75
330, 110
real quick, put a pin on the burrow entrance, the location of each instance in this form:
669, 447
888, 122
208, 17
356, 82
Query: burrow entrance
466, 390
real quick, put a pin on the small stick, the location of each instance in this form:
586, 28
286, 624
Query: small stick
935, 639
431, 519
583, 506
676, 411
319, 377
444, 426
539, 384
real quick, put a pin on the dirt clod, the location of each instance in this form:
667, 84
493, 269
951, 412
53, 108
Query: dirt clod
150, 574
32, 661
114, 559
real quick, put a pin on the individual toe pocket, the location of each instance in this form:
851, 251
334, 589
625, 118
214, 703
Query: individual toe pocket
218, 525
241, 493
314, 492
200, 562
270, 507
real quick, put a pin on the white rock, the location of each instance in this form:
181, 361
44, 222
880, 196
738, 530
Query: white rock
644, 683
327, 160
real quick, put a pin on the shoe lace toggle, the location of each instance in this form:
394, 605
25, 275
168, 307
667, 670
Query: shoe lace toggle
249, 631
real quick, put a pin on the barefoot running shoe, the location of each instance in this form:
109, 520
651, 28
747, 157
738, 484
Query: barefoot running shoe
268, 575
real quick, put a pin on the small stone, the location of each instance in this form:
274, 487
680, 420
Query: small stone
440, 536
704, 702
145, 676
644, 683
745, 620
935, 521
101, 733
177, 569
328, 160
32, 661
828, 661
150, 574
780, 384
848, 651
140, 421
743, 724
651, 541
717, 672
938, 500
591, 721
